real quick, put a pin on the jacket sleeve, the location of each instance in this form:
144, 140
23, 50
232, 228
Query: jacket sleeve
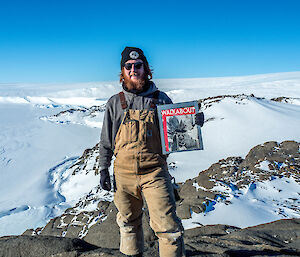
106, 140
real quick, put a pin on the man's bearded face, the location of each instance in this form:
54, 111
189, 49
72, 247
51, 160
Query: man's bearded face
134, 75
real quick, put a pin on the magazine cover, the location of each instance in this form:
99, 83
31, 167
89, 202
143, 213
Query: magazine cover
177, 127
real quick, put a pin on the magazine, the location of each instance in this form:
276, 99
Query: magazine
177, 127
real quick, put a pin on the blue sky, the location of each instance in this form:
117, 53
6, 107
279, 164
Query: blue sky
53, 41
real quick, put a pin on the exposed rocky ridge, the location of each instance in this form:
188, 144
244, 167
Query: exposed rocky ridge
83, 169
279, 238
235, 175
288, 100
89, 158
82, 116
91, 111
208, 101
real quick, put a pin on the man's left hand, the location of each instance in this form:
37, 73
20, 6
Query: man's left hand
199, 119
105, 180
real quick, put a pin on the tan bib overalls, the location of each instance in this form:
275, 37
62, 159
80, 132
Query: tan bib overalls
140, 169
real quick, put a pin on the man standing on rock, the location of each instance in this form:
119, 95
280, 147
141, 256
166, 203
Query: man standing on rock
130, 132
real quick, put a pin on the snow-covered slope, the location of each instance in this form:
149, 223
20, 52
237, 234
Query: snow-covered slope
45, 128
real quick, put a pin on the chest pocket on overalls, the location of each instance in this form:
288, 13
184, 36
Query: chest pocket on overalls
129, 131
152, 135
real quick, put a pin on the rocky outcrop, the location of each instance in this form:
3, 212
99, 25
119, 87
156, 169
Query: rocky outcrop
82, 116
287, 100
89, 158
234, 175
12, 246
279, 238
96, 227
205, 103
228, 178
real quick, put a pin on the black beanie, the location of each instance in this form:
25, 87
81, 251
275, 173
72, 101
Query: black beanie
132, 53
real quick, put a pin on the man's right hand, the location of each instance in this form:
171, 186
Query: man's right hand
105, 180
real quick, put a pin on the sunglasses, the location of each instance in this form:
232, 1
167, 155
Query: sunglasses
137, 65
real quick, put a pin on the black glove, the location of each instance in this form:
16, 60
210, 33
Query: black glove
105, 180
199, 118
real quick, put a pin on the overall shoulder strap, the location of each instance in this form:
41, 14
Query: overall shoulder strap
154, 99
123, 100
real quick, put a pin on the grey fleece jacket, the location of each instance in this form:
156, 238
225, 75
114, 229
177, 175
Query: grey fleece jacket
114, 114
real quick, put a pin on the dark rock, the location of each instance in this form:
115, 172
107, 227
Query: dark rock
183, 211
210, 230
272, 239
279, 238
105, 234
53, 228
37, 246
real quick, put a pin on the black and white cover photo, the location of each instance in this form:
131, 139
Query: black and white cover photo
178, 129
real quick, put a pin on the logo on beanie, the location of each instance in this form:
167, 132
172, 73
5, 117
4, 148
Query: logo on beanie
134, 55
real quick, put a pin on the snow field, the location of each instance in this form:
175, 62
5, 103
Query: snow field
38, 148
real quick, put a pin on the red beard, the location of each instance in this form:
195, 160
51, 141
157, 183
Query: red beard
134, 86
